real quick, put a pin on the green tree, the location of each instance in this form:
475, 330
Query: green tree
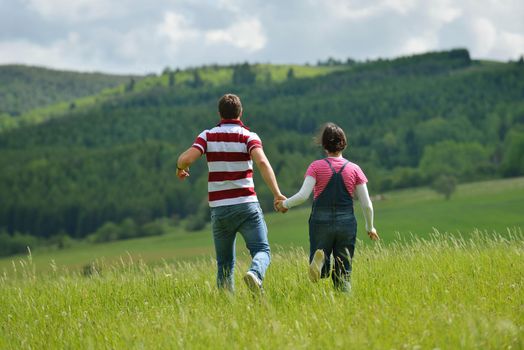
445, 185
130, 86
197, 79
290, 74
467, 161
243, 75
171, 82
513, 158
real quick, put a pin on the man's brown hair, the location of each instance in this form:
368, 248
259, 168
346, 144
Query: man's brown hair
333, 138
229, 106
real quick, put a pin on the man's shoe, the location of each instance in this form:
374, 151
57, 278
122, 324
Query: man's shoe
253, 282
315, 268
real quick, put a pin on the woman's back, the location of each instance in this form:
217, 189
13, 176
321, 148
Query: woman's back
321, 171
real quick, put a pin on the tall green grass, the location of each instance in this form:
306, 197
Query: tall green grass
442, 292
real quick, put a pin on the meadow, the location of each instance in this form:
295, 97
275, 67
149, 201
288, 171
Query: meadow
446, 275
438, 293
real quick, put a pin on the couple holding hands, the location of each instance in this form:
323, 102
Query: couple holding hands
231, 148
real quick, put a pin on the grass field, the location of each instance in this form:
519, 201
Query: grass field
418, 288
492, 206
443, 293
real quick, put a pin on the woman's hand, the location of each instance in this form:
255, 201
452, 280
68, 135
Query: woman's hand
373, 235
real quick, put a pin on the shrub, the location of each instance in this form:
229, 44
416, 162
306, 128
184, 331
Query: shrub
156, 227
108, 232
15, 244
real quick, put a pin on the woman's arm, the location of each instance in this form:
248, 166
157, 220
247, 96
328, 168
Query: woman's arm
302, 195
367, 206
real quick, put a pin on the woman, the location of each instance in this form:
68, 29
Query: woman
335, 182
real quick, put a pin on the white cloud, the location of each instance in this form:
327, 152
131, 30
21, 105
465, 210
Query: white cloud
492, 42
444, 11
362, 10
245, 34
401, 6
353, 10
77, 10
509, 45
68, 53
485, 36
230, 5
145, 36
418, 45
176, 28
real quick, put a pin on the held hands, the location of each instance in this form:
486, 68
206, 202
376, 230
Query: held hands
182, 173
278, 204
373, 235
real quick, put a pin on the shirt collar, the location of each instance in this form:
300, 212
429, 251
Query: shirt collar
232, 121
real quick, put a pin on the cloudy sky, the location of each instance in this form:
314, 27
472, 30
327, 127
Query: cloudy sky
140, 36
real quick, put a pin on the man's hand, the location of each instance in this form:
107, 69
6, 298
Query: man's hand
279, 206
182, 173
373, 235
278, 203
185, 160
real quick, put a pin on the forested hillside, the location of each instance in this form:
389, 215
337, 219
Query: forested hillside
23, 88
408, 121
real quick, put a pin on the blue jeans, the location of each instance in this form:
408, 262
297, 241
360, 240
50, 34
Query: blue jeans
248, 219
335, 233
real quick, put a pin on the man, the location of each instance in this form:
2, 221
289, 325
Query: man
230, 149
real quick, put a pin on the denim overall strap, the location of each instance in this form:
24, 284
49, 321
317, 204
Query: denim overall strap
335, 196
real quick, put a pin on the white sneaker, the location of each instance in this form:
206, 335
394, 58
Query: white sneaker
253, 282
315, 268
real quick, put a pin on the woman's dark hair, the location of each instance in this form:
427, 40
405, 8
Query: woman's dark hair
332, 138
229, 106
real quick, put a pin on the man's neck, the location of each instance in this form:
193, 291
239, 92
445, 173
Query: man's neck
231, 121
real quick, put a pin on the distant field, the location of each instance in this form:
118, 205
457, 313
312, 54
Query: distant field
492, 206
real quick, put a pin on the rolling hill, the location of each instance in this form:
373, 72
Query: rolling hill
23, 88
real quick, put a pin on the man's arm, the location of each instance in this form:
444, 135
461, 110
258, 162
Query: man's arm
185, 160
266, 170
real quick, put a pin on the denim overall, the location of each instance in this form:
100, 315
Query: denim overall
333, 228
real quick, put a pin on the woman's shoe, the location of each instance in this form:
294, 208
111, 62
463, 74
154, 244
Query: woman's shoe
315, 268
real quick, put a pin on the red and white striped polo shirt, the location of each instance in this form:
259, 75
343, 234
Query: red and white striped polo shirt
228, 147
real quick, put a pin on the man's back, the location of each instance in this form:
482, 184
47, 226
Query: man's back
227, 148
